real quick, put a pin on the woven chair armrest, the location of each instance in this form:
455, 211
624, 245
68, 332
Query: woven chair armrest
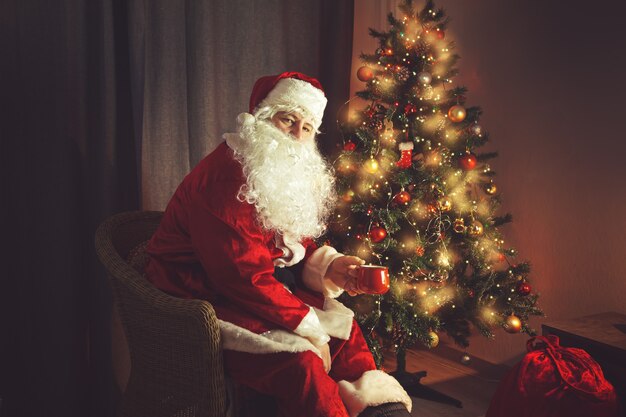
174, 344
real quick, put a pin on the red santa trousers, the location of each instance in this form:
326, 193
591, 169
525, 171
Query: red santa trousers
298, 380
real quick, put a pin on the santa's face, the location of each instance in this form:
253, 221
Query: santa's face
287, 179
294, 124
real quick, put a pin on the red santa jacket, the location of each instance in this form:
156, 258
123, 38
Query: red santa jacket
210, 246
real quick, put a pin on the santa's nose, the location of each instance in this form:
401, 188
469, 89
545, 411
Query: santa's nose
297, 131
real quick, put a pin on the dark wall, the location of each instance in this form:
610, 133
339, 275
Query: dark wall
550, 78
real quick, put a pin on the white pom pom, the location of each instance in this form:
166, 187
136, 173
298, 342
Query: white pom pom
245, 119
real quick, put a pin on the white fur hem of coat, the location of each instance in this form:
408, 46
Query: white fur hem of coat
243, 340
335, 320
372, 389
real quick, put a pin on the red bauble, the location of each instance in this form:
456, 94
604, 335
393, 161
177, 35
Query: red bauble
365, 74
523, 288
440, 34
349, 146
377, 234
402, 197
468, 162
410, 108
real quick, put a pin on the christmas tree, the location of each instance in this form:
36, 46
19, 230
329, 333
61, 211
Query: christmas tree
417, 197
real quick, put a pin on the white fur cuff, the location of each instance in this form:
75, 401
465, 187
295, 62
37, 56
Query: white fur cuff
336, 319
311, 328
372, 389
315, 269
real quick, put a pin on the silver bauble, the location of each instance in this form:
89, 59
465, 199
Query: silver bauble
424, 78
477, 129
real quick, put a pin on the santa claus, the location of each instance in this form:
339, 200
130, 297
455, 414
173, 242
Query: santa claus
238, 232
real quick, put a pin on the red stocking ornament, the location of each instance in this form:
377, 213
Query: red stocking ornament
406, 149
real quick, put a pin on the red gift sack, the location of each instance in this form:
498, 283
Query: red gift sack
554, 381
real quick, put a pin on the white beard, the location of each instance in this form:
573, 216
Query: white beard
288, 181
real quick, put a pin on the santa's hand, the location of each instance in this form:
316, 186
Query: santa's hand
325, 352
343, 273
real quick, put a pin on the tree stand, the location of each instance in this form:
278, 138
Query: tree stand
411, 383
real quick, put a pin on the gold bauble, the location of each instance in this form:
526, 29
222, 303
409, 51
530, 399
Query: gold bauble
365, 74
434, 339
371, 166
513, 324
445, 204
491, 188
475, 228
457, 113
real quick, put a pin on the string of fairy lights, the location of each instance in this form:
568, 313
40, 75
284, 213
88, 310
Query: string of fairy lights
416, 198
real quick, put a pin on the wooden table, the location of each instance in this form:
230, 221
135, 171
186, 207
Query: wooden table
603, 336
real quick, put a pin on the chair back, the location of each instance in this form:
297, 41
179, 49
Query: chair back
176, 361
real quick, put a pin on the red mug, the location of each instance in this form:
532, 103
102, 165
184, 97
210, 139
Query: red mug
373, 279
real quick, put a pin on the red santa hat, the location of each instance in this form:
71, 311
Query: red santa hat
290, 89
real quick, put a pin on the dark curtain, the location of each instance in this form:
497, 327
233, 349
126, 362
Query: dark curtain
104, 107
68, 161
196, 62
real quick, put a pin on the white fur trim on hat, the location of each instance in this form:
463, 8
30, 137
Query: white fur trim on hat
371, 389
294, 92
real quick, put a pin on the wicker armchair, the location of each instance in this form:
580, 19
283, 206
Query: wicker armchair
176, 359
